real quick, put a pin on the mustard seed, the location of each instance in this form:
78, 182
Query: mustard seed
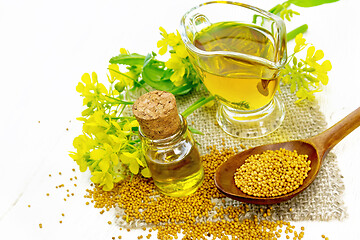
272, 173
171, 216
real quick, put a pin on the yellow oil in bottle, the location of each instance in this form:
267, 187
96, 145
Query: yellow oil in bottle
247, 85
176, 173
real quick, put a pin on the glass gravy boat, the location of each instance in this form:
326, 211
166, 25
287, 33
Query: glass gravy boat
239, 51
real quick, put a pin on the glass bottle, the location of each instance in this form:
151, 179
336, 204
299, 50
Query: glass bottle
174, 161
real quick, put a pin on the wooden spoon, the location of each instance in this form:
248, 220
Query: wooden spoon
315, 147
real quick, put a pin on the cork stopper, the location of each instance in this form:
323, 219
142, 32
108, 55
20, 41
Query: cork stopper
157, 114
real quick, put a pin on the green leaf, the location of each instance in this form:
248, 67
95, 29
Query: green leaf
292, 34
153, 76
193, 130
128, 59
310, 3
181, 90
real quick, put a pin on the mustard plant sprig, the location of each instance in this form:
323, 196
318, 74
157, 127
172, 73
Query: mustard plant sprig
177, 75
109, 146
306, 76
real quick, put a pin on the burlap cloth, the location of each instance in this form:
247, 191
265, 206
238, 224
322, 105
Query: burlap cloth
321, 201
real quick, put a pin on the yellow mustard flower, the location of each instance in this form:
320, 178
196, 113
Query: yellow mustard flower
125, 78
300, 43
167, 40
175, 62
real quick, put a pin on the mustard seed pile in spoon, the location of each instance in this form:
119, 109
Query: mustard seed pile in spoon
272, 173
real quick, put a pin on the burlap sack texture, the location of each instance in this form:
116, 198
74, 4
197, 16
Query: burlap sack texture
321, 201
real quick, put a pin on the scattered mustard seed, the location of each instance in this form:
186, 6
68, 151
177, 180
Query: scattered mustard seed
40, 225
228, 221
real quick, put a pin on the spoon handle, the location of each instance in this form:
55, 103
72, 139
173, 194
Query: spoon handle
332, 136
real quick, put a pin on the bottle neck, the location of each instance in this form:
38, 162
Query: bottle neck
172, 139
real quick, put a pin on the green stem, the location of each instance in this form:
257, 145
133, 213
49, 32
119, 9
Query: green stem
122, 74
120, 101
141, 85
291, 35
277, 9
202, 101
134, 80
121, 118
